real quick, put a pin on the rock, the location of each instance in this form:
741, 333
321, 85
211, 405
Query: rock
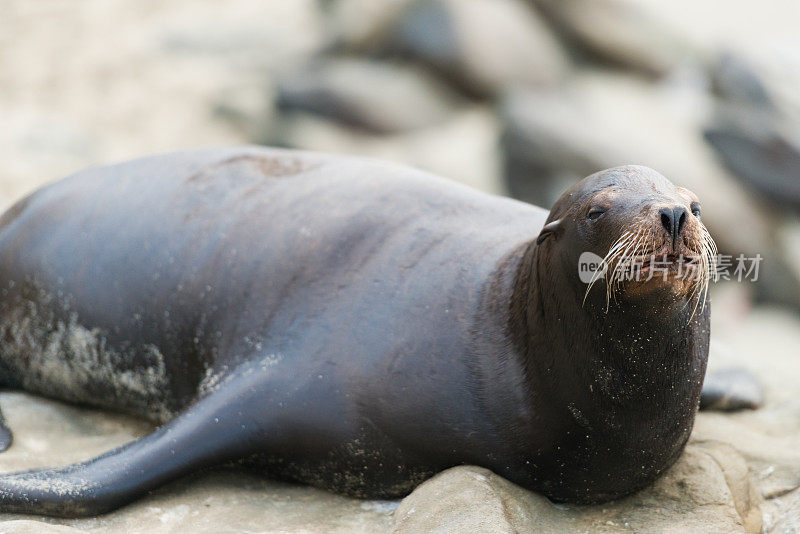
482, 45
746, 499
788, 518
377, 97
358, 26
618, 31
731, 390
790, 240
468, 499
708, 490
755, 138
758, 89
599, 120
764, 342
778, 69
756, 128
24, 526
765, 160
270, 35
247, 107
764, 41
73, 96
735, 80
463, 148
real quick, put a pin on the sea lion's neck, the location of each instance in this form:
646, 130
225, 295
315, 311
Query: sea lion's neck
632, 353
616, 389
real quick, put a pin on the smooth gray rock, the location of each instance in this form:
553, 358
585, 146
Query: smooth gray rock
375, 96
755, 138
708, 490
735, 80
361, 26
617, 31
765, 159
483, 46
463, 148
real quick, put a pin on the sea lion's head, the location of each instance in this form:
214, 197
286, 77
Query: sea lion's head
632, 231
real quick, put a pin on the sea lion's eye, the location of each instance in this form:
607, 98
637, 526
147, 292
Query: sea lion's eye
595, 213
696, 209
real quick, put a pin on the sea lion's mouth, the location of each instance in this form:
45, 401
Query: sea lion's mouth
637, 263
670, 262
662, 265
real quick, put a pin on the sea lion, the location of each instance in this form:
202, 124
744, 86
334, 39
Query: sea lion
353, 325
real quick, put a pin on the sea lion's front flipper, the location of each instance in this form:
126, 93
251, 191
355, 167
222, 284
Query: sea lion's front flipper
215, 429
730, 390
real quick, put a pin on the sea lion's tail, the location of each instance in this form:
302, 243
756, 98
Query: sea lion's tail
205, 434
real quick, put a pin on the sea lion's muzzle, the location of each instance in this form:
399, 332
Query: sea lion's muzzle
665, 247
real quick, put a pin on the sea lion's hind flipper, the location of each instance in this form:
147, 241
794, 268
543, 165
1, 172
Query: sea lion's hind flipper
214, 430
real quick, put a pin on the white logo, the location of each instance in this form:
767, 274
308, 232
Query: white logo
591, 267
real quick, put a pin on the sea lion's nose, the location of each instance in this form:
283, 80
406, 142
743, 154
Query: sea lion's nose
673, 220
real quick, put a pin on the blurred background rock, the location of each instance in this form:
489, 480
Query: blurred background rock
518, 97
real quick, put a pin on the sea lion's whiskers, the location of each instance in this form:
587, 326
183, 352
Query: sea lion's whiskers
710, 256
698, 280
621, 241
614, 275
624, 262
706, 268
605, 261
645, 243
618, 256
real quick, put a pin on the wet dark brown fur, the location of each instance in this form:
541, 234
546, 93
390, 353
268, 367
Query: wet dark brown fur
348, 324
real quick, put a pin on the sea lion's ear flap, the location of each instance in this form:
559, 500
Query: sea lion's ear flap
548, 229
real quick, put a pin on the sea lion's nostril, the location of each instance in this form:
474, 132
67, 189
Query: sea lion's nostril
673, 220
667, 219
680, 216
